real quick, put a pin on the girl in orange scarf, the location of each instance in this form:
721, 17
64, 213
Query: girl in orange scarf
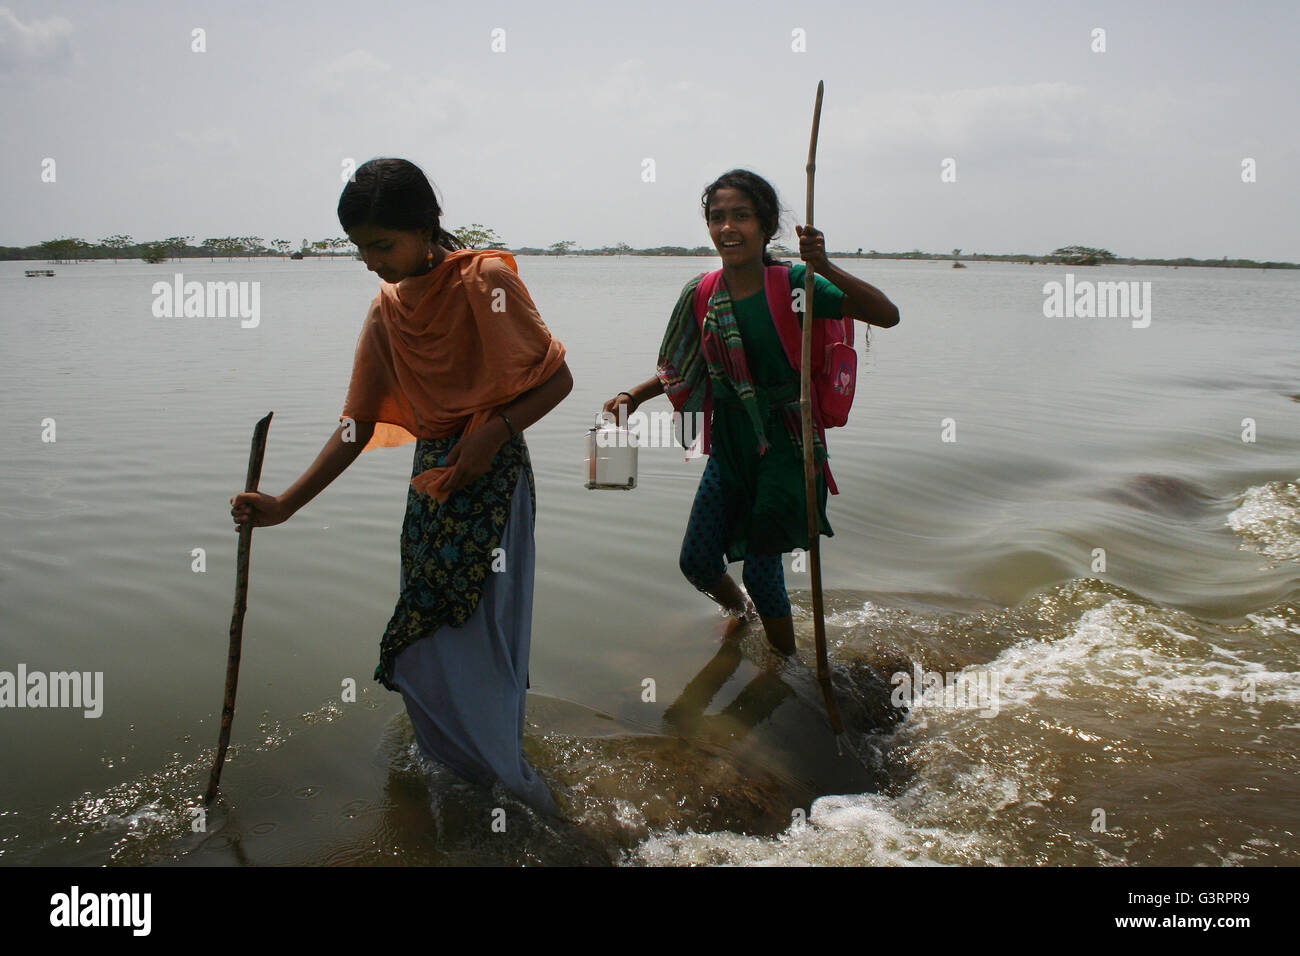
453, 356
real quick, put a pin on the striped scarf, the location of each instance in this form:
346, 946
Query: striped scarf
687, 354
686, 358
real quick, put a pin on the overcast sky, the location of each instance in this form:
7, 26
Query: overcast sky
1138, 149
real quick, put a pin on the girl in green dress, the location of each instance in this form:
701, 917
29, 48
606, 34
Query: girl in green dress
750, 504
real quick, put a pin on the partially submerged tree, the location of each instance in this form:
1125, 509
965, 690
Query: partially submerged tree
176, 244
63, 249
478, 236
1082, 255
116, 245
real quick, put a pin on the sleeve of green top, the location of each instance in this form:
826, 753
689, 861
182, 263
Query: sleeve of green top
828, 301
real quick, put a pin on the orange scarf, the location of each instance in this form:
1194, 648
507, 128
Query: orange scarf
440, 353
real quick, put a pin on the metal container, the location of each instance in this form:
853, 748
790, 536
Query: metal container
611, 457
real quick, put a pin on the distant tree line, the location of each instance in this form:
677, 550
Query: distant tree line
478, 236
567, 248
67, 249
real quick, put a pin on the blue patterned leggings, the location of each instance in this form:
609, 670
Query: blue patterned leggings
704, 550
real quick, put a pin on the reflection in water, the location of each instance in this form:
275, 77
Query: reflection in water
1102, 698
1163, 494
760, 697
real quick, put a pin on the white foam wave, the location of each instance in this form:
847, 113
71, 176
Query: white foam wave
1272, 623
1269, 517
846, 830
1140, 649
976, 780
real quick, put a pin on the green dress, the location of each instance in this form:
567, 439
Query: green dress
766, 493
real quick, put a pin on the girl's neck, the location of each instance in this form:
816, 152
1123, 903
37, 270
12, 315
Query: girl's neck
439, 253
743, 280
409, 282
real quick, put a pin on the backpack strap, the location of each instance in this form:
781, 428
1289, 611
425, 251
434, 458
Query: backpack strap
780, 302
703, 292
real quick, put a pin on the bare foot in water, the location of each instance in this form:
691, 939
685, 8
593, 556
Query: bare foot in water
780, 634
736, 624
735, 629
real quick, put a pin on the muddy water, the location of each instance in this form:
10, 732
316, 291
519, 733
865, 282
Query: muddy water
1105, 557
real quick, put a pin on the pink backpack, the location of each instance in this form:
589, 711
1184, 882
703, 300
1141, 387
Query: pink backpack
835, 363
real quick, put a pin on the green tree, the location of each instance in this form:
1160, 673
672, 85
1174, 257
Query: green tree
228, 246
1082, 255
477, 236
176, 244
562, 247
62, 249
116, 245
155, 252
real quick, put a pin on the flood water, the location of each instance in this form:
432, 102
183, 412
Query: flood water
1100, 522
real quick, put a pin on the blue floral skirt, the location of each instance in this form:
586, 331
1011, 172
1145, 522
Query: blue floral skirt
448, 549
459, 641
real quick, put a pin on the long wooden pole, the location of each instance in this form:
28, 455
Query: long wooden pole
254, 476
809, 465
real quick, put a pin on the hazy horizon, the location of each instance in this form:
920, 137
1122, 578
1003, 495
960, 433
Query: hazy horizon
1138, 149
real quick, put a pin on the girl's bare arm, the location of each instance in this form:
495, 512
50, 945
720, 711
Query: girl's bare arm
333, 460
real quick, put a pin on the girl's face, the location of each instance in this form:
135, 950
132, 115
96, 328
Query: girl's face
392, 254
734, 227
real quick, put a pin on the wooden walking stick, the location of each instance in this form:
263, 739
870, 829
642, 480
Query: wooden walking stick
255, 457
809, 472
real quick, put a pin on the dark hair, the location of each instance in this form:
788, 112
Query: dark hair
393, 194
764, 198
